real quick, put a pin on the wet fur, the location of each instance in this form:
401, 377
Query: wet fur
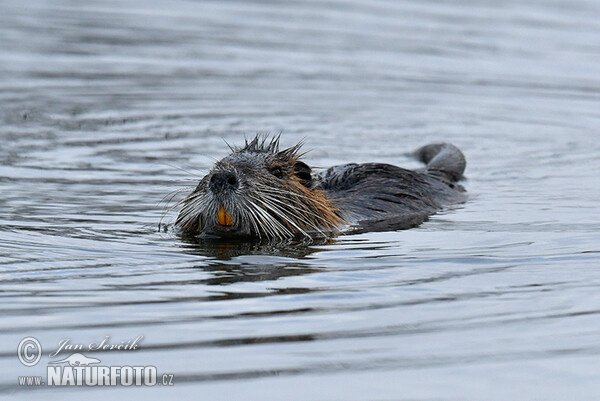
278, 196
264, 205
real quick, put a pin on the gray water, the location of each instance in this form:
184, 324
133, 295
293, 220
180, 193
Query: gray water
109, 107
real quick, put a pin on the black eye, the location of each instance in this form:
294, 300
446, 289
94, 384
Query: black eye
277, 172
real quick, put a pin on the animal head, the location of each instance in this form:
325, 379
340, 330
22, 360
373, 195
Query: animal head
259, 191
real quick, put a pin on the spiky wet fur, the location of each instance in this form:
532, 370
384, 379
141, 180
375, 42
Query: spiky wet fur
262, 205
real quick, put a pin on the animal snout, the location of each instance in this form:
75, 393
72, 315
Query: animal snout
222, 181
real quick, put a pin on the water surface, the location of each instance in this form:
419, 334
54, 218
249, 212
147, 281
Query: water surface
108, 107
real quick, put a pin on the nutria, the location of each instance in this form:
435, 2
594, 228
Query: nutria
262, 192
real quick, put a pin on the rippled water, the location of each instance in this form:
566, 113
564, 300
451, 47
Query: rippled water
107, 107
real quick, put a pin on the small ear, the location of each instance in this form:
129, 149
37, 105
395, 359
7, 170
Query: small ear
303, 171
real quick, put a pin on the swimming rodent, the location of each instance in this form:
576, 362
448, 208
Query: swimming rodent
262, 192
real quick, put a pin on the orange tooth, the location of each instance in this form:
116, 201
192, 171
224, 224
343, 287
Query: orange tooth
225, 218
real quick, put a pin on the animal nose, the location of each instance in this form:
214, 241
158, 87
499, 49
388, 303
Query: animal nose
223, 180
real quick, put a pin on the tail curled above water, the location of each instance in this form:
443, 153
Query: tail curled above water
443, 159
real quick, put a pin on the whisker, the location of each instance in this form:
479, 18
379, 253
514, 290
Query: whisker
277, 211
299, 216
277, 191
279, 228
301, 205
197, 173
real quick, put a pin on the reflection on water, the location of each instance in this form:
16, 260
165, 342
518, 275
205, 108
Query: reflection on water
227, 269
220, 249
110, 107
